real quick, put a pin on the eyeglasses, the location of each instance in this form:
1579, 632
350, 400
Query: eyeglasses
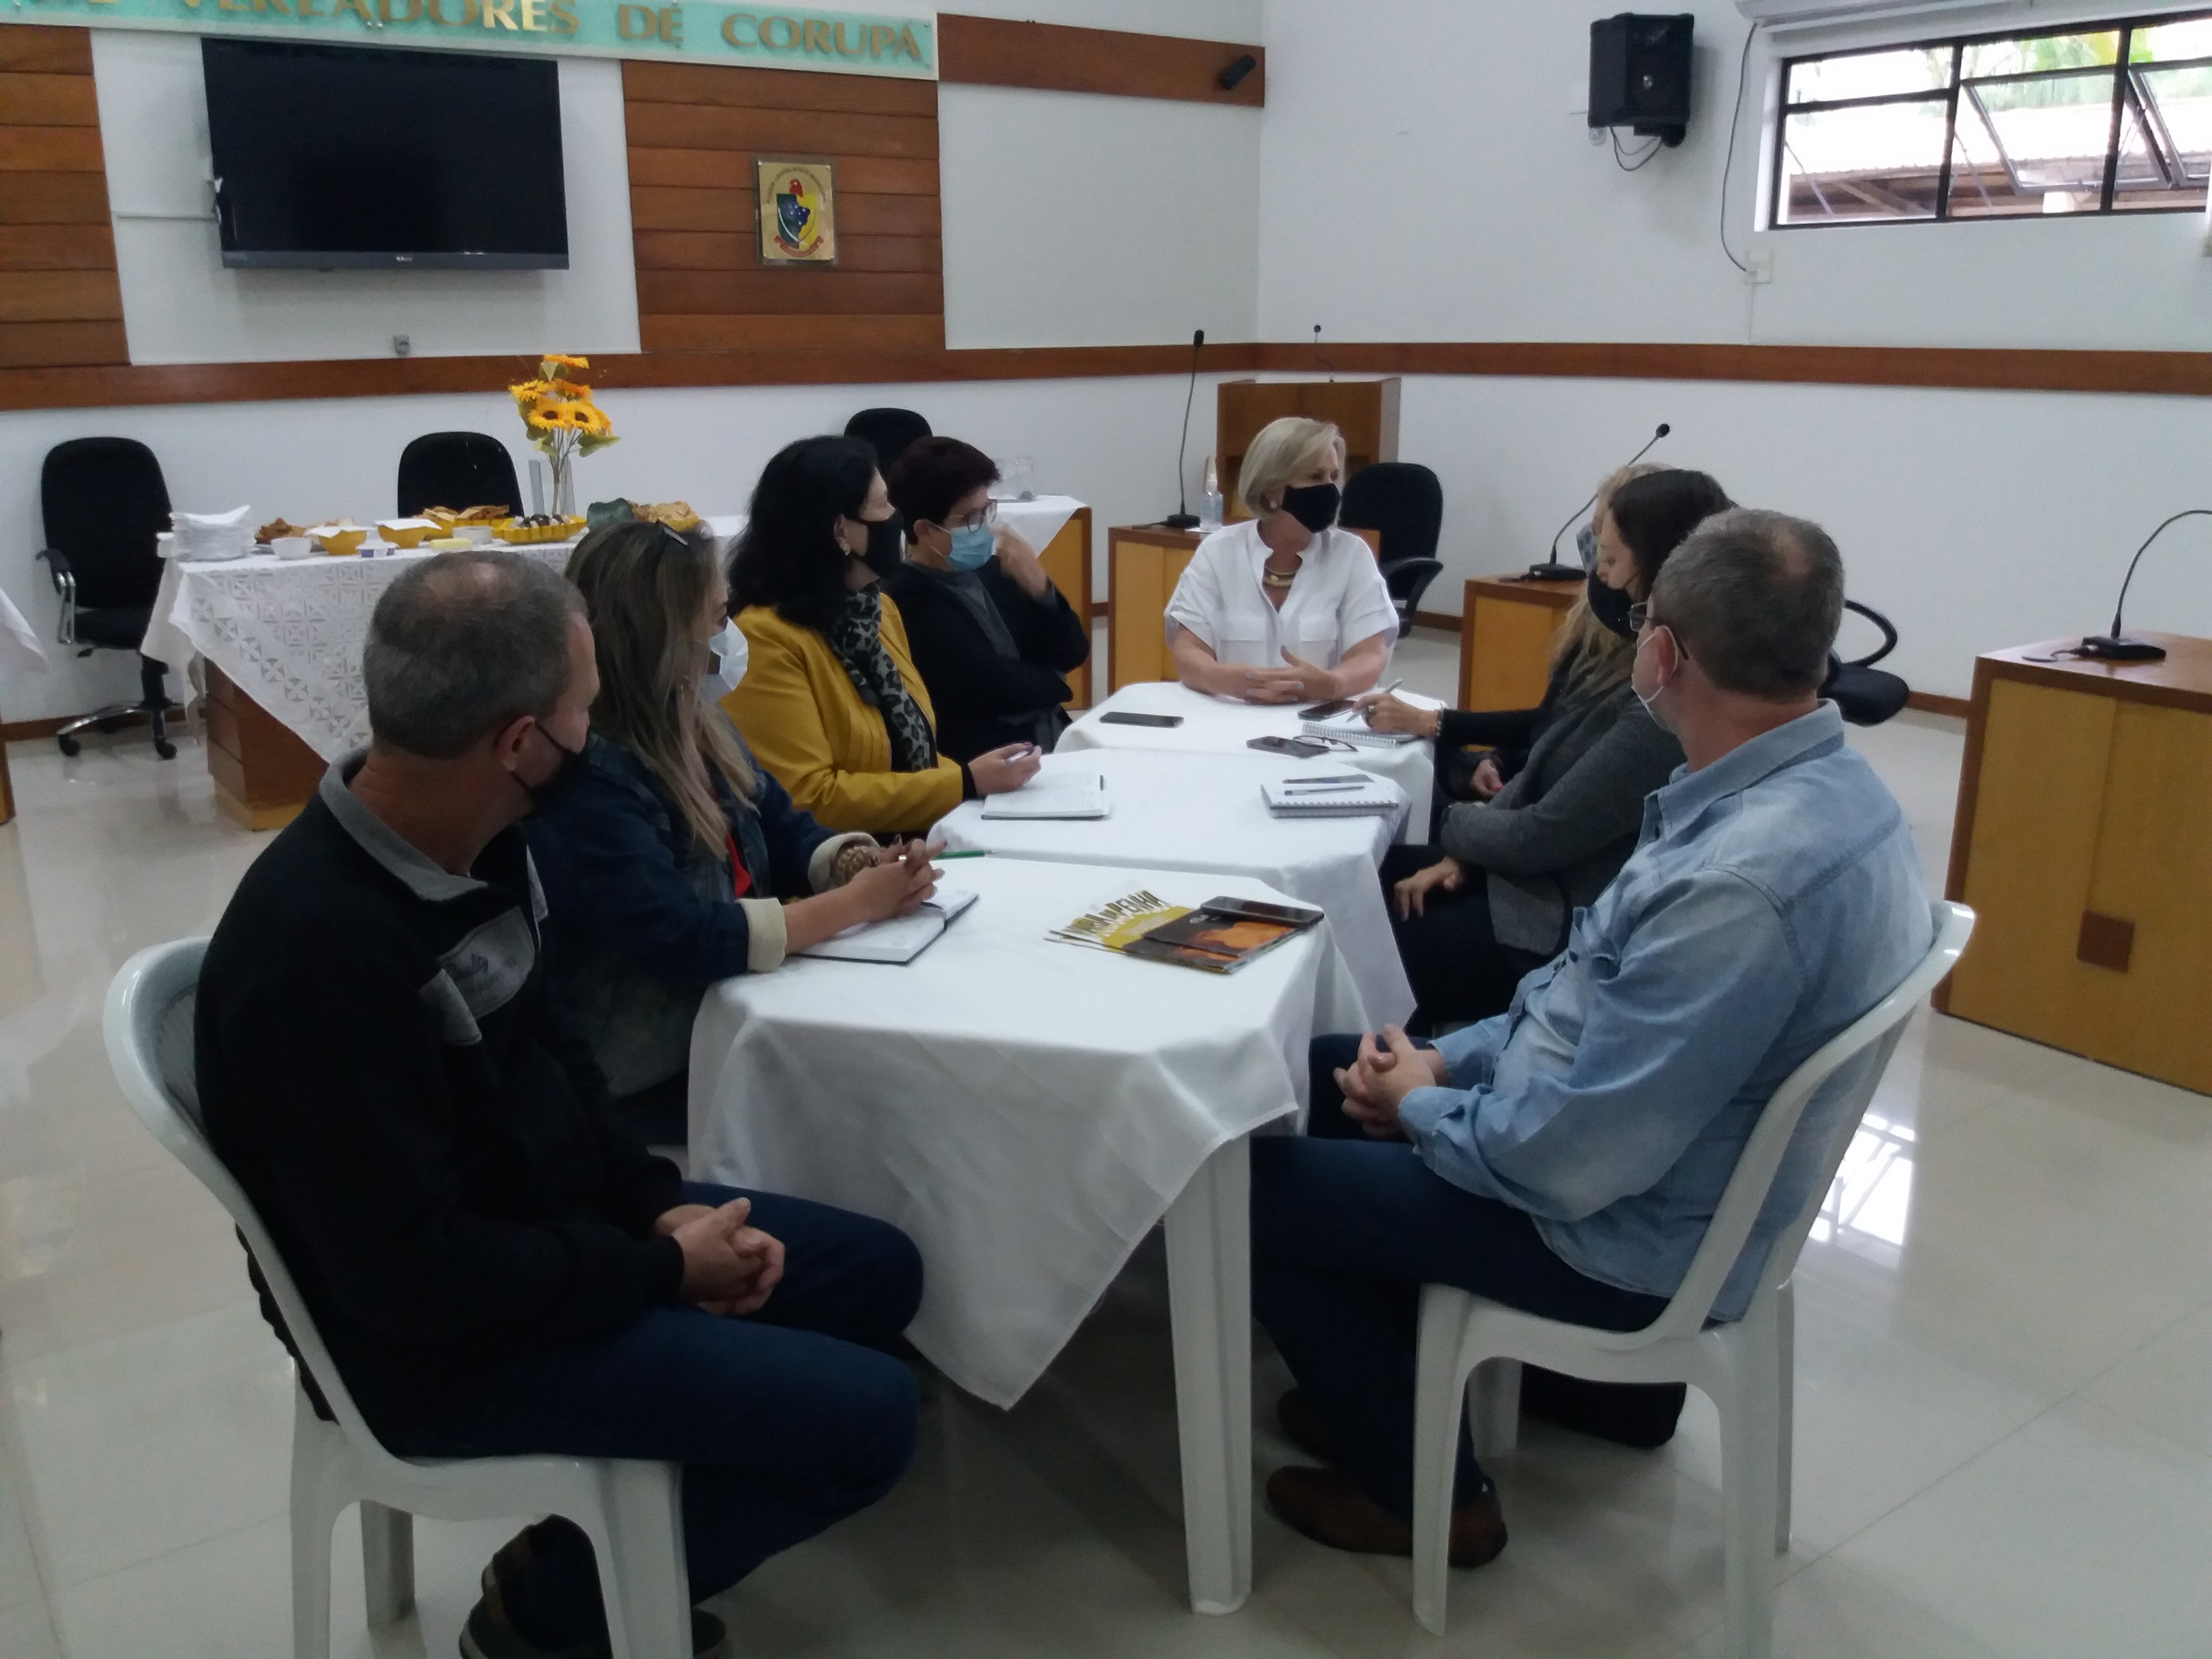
986, 514
1638, 616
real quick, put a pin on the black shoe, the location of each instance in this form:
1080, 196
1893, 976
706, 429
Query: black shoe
489, 1634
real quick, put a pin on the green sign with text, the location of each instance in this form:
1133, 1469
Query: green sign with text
701, 31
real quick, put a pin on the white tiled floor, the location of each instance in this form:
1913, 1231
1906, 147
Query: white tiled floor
2004, 1415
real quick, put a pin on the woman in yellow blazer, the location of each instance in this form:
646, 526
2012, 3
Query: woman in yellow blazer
830, 701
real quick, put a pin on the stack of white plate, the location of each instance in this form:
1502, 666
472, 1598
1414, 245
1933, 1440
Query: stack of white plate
213, 534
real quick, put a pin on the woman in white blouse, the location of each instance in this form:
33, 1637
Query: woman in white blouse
1283, 607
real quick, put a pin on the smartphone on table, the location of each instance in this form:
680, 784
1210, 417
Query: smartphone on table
1330, 710
1124, 717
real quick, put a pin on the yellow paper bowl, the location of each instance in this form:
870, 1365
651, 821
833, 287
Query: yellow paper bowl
524, 535
406, 532
342, 544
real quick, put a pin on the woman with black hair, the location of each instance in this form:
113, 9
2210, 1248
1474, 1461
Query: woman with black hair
831, 702
1493, 900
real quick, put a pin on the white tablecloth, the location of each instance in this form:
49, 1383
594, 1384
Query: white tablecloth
1204, 812
1026, 1110
289, 632
20, 648
1221, 726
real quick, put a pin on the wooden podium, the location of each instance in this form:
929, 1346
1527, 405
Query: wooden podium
2084, 841
1505, 629
1365, 412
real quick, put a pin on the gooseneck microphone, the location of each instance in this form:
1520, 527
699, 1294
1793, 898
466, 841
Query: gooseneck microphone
2116, 647
1552, 570
1182, 518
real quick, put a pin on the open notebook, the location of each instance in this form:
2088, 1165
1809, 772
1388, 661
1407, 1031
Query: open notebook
1351, 727
901, 938
1066, 794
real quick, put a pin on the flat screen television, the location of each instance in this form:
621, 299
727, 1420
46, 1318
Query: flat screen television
357, 158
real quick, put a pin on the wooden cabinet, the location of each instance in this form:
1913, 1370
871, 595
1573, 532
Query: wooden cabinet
1144, 563
2084, 843
1365, 412
1505, 629
1067, 560
263, 774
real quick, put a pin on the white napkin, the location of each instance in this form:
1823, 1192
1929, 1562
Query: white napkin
213, 534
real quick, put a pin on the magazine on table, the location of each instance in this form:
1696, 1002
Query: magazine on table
1216, 937
897, 939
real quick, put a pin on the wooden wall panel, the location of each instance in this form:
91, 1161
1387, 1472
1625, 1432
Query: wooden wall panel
695, 131
61, 306
996, 52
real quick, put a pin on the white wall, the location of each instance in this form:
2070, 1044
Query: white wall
1427, 175
1077, 220
181, 306
1110, 442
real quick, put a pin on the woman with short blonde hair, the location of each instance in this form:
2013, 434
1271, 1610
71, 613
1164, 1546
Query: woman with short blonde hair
1283, 607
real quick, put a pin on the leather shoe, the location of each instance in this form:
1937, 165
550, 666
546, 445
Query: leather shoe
1327, 1506
1306, 1426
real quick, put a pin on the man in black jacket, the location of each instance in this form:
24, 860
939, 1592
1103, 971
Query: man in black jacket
992, 635
496, 1265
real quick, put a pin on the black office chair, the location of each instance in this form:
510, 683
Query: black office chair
456, 470
1407, 579
888, 432
1403, 501
104, 502
1862, 694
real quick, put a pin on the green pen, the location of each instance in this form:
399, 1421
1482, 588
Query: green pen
971, 853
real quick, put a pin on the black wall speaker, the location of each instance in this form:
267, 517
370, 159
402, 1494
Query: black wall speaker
1640, 74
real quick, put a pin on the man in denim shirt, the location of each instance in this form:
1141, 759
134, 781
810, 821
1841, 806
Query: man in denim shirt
1565, 1157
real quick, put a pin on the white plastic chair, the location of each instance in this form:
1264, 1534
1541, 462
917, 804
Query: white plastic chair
628, 1509
1744, 1366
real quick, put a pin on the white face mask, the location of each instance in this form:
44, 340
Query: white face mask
1650, 699
730, 652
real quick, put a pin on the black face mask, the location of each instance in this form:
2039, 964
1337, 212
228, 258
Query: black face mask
1314, 505
547, 796
1610, 605
886, 545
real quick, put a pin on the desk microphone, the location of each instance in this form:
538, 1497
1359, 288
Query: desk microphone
1182, 518
1552, 570
2116, 647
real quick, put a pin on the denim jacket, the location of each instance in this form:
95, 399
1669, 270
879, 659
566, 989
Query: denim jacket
642, 916
1773, 898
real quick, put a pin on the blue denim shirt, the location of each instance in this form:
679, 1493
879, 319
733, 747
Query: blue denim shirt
1773, 898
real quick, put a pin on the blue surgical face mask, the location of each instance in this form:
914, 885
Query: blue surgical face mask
972, 547
730, 651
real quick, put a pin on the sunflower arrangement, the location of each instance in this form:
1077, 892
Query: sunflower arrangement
562, 420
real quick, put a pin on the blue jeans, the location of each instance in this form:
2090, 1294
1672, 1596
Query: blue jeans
786, 1422
1344, 1232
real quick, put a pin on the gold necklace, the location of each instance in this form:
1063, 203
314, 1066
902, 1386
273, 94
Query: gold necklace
1271, 577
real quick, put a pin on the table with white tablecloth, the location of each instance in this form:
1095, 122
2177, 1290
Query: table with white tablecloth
1027, 1110
20, 653
1205, 813
1222, 725
289, 632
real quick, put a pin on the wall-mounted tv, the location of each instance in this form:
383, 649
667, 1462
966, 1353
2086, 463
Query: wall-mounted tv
351, 157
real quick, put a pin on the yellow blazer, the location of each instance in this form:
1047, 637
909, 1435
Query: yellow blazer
803, 715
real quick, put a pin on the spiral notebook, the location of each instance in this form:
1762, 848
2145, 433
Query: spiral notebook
1332, 795
1351, 727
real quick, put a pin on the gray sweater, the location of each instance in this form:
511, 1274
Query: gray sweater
1563, 827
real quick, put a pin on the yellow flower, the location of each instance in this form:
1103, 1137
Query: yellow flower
546, 415
551, 365
588, 417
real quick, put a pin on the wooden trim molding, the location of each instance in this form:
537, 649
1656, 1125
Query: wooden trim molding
1933, 702
2179, 373
993, 52
100, 385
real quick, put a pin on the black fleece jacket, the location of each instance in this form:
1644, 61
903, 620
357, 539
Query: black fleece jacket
381, 1067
